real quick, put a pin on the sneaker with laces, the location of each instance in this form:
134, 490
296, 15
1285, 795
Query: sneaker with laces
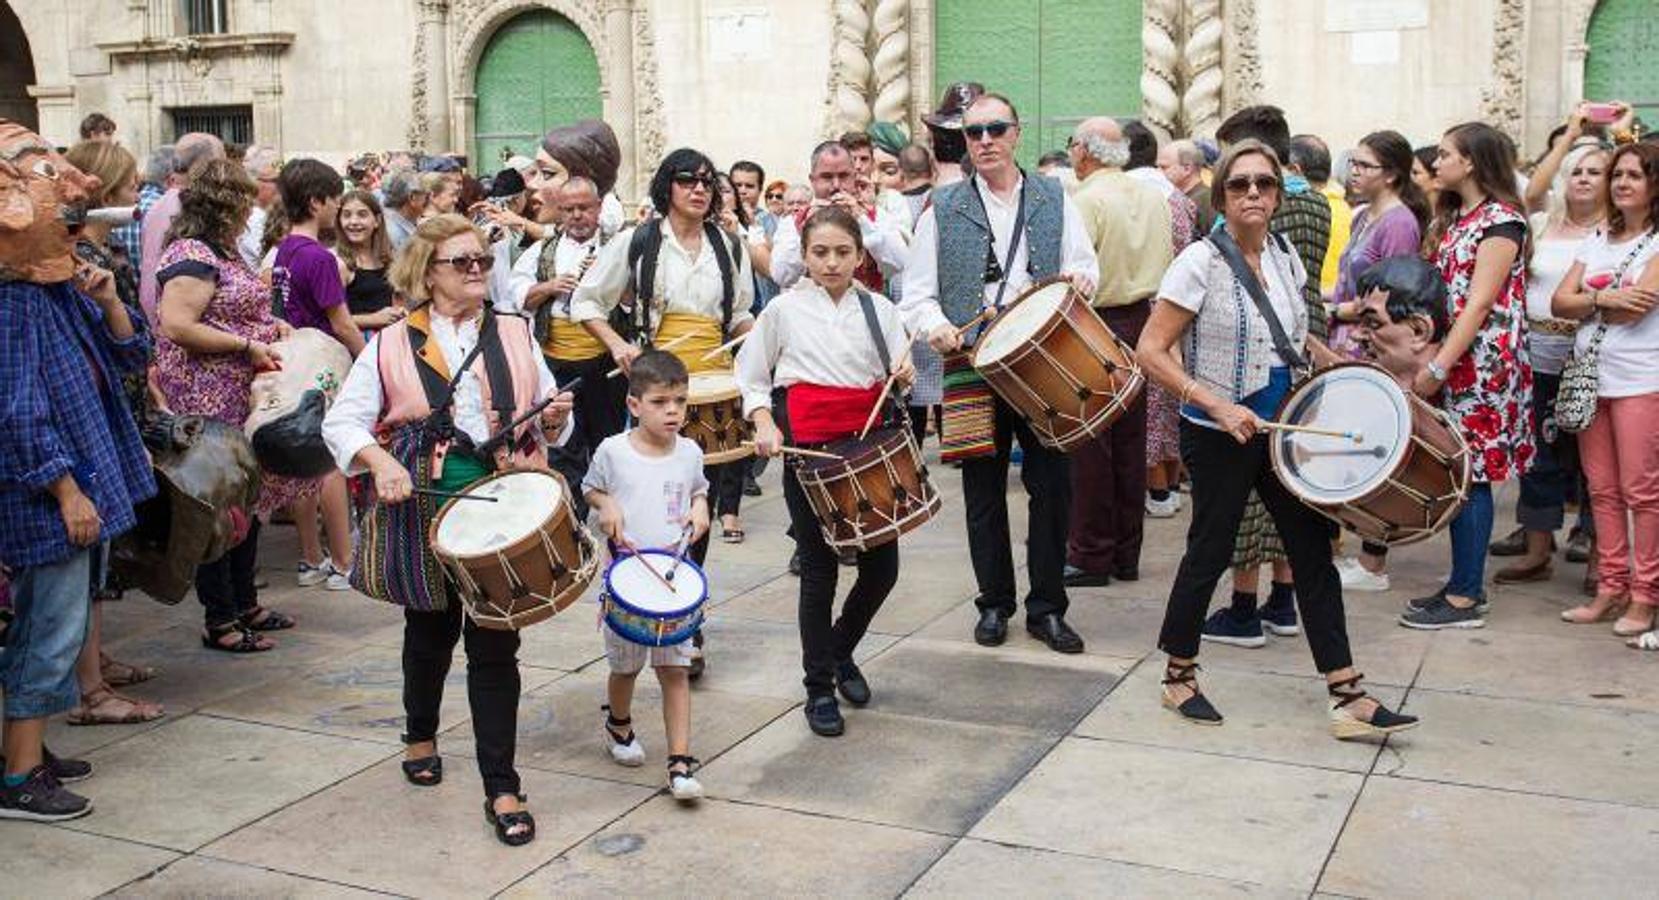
41, 798
1356, 577
1165, 508
1441, 614
312, 575
337, 580
1281, 620
66, 771
1418, 604
1227, 627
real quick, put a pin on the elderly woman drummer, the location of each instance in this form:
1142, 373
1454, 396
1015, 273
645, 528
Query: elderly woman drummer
404, 417
1228, 386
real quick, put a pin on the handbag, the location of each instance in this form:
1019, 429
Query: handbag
1575, 402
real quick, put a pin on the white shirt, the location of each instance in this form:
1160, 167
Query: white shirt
655, 492
1154, 176
567, 260
349, 425
884, 240
253, 237
805, 336
1186, 283
1629, 361
920, 303
683, 284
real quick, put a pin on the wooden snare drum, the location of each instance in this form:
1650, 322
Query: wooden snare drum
1403, 480
1052, 358
520, 559
715, 418
876, 491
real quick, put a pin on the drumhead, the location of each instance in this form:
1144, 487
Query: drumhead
1332, 470
707, 387
524, 500
634, 588
1017, 324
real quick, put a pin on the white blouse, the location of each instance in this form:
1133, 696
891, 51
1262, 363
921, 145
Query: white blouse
683, 283
567, 260
805, 336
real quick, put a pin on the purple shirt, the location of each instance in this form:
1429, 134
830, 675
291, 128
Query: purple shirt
1394, 234
306, 281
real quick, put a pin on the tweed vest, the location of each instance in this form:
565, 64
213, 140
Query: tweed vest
965, 241
1228, 346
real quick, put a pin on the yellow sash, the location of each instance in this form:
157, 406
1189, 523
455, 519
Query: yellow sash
705, 336
570, 342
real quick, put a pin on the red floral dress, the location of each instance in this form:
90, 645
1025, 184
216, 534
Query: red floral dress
1489, 392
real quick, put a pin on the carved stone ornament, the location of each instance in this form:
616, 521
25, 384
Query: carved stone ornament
1503, 101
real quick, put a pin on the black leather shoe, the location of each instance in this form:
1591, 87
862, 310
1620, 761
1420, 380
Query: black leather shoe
795, 563
1053, 631
992, 629
850, 681
1127, 573
1075, 577
823, 716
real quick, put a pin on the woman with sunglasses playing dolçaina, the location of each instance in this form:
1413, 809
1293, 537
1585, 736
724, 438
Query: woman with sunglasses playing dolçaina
1227, 388
689, 282
405, 418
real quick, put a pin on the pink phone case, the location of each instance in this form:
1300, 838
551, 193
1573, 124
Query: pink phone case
1601, 113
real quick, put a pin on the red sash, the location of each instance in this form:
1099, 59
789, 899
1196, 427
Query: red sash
819, 414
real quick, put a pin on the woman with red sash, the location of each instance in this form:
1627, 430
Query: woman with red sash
815, 348
406, 417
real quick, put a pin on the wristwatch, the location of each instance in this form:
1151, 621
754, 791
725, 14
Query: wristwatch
1436, 371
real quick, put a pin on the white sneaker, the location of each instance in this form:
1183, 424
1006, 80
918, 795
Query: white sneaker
1165, 508
313, 575
1358, 578
337, 580
631, 754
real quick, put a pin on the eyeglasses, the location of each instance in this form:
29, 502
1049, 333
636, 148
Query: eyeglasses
1241, 184
478, 263
995, 129
690, 180
774, 196
1360, 165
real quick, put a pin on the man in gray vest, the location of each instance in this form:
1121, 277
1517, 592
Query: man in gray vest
970, 253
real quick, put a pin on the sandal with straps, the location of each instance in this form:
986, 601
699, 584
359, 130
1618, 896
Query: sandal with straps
1196, 709
263, 618
94, 709
514, 829
425, 771
681, 784
1346, 726
624, 748
248, 642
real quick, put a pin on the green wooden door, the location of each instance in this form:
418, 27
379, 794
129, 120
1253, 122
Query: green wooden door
538, 71
1624, 44
1060, 61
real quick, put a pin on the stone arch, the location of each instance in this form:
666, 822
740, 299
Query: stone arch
17, 71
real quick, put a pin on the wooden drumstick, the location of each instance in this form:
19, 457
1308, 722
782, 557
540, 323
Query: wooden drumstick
451, 495
983, 315
687, 336
629, 546
880, 399
800, 451
1354, 436
726, 346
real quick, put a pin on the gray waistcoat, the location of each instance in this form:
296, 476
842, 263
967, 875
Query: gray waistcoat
965, 240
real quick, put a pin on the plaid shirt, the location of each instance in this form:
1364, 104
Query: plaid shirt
130, 237
62, 412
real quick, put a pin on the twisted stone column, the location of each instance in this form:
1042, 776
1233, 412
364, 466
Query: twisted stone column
1160, 67
1201, 67
1243, 63
849, 79
891, 60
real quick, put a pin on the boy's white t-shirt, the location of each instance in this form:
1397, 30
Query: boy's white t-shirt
1629, 362
655, 492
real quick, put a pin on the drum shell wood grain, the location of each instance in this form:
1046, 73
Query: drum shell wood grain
873, 473
1079, 342
717, 425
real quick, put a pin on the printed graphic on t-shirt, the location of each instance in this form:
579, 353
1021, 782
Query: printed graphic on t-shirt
674, 500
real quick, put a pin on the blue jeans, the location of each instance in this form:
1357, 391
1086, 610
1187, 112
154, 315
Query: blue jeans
53, 604
1471, 532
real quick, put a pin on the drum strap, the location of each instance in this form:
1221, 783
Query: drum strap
868, 305
1229, 250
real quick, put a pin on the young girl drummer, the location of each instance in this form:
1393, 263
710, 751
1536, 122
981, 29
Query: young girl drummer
817, 345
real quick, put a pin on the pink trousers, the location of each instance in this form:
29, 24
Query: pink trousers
1620, 454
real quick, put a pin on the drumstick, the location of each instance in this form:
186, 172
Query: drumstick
451, 495
983, 315
726, 346
679, 551
665, 345
629, 546
489, 446
800, 451
880, 399
1354, 436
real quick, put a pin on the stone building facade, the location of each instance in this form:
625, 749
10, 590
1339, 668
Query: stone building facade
764, 79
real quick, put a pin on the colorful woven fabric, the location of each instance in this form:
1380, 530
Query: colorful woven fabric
970, 413
394, 561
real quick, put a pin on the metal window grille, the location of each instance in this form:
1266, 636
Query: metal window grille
233, 124
206, 16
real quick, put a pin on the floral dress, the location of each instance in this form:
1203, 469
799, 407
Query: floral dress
219, 385
1488, 393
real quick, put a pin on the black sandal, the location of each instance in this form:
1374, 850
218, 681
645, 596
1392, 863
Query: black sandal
1347, 726
426, 771
262, 618
1195, 709
247, 643
505, 822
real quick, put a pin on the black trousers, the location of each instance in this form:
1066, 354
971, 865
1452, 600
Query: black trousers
725, 497
825, 643
492, 686
1223, 472
225, 586
1046, 475
601, 410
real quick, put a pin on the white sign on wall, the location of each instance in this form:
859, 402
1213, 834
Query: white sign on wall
1374, 48
739, 34
1375, 15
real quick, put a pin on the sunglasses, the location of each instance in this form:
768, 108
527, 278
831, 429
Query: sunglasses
692, 179
1241, 184
479, 263
995, 129
774, 196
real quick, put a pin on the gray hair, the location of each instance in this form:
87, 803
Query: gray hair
1108, 153
400, 186
1188, 154
581, 181
159, 165
195, 147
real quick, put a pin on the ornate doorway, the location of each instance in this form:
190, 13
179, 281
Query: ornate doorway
538, 70
1624, 42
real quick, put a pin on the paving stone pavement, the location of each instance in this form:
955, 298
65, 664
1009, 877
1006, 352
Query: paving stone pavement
976, 772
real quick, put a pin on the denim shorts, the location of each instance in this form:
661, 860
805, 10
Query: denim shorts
53, 604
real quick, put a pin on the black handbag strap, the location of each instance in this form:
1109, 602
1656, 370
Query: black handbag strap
1229, 250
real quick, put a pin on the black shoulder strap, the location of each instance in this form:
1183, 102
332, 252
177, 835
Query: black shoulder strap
868, 304
643, 248
724, 257
502, 398
439, 395
1229, 250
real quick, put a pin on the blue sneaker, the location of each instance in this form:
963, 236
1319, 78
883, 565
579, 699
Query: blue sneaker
1226, 627
1280, 619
